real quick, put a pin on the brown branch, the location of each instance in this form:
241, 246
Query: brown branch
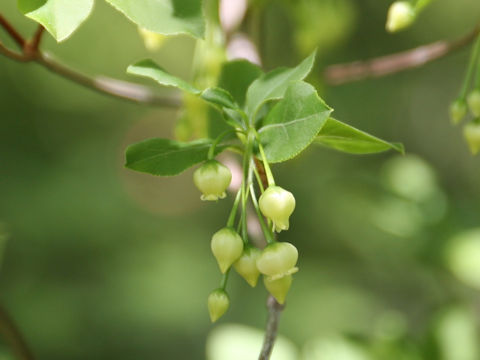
113, 87
11, 54
390, 64
274, 312
108, 86
13, 337
34, 44
12, 32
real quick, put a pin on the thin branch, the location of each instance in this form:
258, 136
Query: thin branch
113, 87
390, 64
12, 32
11, 54
13, 337
117, 88
274, 312
34, 44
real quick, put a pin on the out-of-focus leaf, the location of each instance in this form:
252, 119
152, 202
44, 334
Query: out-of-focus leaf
236, 76
334, 348
166, 17
338, 22
340, 136
148, 68
60, 17
152, 40
410, 177
463, 254
274, 84
167, 157
293, 123
457, 335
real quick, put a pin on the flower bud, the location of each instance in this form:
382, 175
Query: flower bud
474, 102
152, 40
278, 260
212, 179
277, 204
278, 287
401, 15
471, 131
246, 265
458, 110
227, 247
218, 304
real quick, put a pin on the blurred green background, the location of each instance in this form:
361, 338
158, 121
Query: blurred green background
99, 262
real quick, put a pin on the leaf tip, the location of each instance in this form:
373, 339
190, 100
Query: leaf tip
399, 147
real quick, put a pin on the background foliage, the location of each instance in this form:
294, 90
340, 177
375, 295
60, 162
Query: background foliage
102, 262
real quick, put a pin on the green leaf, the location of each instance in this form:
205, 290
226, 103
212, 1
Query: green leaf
340, 136
148, 68
220, 97
236, 76
293, 123
166, 157
168, 17
59, 17
274, 84
218, 123
234, 118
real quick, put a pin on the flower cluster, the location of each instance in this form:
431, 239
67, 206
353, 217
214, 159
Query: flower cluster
231, 247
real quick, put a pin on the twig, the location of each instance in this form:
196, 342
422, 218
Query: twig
12, 32
11, 54
13, 337
109, 86
105, 85
385, 65
274, 311
34, 44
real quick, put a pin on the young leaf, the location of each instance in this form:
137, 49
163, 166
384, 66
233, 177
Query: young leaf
59, 17
293, 123
340, 136
166, 157
236, 76
167, 17
274, 84
220, 97
147, 68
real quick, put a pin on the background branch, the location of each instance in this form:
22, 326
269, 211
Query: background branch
113, 87
104, 85
13, 337
385, 65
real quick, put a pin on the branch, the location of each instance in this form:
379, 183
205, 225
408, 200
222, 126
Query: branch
113, 87
12, 32
10, 54
274, 311
34, 44
390, 64
108, 86
13, 337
